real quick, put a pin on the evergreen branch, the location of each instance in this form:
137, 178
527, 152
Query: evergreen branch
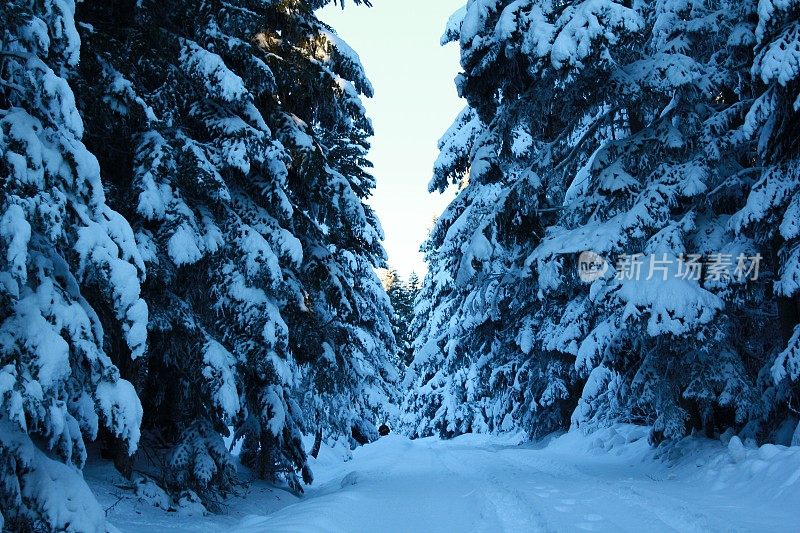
735, 177
13, 86
589, 132
18, 55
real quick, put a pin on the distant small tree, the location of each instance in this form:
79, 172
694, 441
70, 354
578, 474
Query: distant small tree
414, 283
402, 294
405, 343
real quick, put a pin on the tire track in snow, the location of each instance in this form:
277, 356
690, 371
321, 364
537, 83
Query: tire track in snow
659, 510
511, 509
467, 485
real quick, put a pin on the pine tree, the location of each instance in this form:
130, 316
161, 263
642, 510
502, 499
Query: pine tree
235, 142
771, 213
603, 126
670, 352
66, 259
402, 295
414, 284
412, 290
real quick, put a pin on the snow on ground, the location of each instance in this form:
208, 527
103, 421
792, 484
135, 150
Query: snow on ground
609, 481
127, 513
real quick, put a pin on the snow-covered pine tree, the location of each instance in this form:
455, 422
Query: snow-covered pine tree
771, 215
342, 334
402, 294
411, 291
414, 285
235, 140
605, 126
673, 349
65, 259
480, 365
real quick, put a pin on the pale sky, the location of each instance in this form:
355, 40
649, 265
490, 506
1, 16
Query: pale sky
415, 102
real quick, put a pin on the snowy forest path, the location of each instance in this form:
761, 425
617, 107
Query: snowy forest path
478, 484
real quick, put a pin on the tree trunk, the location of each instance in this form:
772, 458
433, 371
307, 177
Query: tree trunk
788, 308
789, 314
317, 444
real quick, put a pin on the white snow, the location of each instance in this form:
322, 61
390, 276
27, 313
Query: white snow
118, 403
349, 55
16, 231
453, 27
611, 480
53, 488
474, 19
674, 305
787, 364
780, 60
183, 246
209, 68
219, 371
586, 22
